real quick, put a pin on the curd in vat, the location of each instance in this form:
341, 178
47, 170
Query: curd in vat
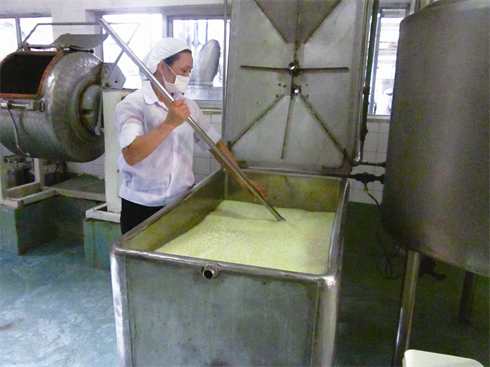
246, 233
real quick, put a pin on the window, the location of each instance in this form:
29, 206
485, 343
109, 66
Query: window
11, 38
140, 32
43, 34
206, 37
384, 65
8, 43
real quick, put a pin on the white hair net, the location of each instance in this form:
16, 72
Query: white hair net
164, 48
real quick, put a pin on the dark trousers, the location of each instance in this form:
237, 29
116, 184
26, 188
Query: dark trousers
133, 214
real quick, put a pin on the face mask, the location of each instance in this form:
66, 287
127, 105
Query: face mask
180, 84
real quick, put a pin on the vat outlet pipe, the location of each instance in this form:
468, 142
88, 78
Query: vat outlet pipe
202, 134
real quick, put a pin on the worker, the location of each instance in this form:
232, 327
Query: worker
157, 146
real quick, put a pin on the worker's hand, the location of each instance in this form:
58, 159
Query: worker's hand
178, 112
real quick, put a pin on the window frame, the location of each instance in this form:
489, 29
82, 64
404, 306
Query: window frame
210, 12
100, 14
408, 6
17, 18
169, 14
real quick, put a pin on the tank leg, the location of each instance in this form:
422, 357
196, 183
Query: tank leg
467, 297
409, 287
3, 177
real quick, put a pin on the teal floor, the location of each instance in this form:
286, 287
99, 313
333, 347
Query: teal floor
369, 306
57, 311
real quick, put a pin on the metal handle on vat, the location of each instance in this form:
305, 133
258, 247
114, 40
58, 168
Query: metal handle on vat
191, 122
8, 105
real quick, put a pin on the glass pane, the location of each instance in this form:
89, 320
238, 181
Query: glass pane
386, 62
206, 39
43, 35
149, 31
8, 41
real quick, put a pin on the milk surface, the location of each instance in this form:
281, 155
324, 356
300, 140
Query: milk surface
248, 234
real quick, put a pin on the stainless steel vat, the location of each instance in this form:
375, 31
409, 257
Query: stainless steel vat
50, 105
436, 192
169, 311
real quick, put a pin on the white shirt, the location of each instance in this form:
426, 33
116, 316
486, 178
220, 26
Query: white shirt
167, 171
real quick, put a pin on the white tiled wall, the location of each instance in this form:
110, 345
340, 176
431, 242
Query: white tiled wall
95, 168
204, 162
375, 148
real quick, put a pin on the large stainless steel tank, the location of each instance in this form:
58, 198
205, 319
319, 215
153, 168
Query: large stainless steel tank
436, 193
292, 114
50, 105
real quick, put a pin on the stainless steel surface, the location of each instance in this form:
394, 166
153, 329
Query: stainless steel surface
295, 83
189, 311
120, 301
15, 129
25, 46
410, 276
202, 134
436, 192
42, 93
79, 41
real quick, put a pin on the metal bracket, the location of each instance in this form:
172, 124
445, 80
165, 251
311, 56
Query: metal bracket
36, 105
